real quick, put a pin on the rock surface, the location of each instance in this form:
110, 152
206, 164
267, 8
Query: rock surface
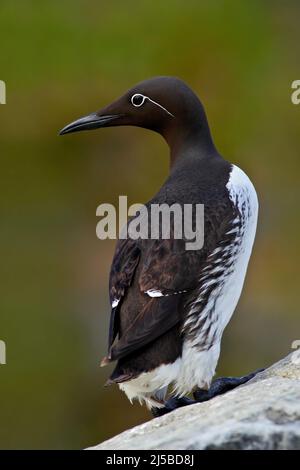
262, 414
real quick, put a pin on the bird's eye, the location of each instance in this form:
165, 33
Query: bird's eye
138, 100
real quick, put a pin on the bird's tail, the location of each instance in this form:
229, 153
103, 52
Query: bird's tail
119, 376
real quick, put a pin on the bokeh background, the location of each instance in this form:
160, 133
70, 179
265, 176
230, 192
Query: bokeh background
61, 60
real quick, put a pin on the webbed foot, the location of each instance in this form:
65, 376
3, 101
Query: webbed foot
172, 404
222, 385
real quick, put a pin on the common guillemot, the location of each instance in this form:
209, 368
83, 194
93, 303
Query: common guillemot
170, 305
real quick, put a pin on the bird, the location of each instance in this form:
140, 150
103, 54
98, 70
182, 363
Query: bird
170, 305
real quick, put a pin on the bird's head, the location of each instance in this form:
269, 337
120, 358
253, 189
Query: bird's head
162, 104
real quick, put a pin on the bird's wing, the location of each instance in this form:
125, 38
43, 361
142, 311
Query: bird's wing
166, 271
156, 318
123, 267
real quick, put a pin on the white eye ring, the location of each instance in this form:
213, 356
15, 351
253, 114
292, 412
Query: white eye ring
144, 98
138, 95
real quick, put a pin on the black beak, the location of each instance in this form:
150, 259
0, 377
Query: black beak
92, 121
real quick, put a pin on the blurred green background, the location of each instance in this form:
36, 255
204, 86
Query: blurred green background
61, 60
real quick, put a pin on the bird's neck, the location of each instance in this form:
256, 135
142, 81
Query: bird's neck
190, 141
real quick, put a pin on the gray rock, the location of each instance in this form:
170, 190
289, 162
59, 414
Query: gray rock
262, 414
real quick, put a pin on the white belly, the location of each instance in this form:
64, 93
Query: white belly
196, 367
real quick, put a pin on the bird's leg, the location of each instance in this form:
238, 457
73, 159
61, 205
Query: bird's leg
172, 404
222, 385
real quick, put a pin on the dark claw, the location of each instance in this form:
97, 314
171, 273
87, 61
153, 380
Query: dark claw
172, 404
222, 385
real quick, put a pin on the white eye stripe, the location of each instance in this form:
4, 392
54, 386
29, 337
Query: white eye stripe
144, 98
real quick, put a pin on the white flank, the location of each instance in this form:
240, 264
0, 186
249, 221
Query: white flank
224, 298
